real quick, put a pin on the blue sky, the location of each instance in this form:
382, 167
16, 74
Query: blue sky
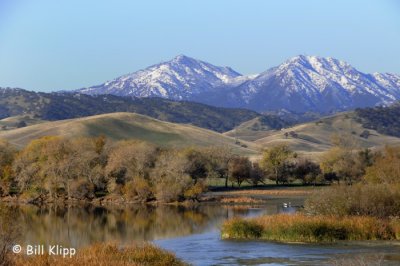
51, 45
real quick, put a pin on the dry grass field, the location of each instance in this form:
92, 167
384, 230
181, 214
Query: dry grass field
12, 121
309, 139
103, 255
121, 126
250, 130
313, 138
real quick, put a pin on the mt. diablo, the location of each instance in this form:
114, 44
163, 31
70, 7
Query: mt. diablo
177, 79
301, 84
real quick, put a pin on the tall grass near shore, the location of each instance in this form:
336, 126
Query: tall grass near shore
104, 255
303, 228
378, 200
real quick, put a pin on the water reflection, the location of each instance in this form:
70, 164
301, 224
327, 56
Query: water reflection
83, 225
190, 232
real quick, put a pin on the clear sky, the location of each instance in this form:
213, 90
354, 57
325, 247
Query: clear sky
68, 44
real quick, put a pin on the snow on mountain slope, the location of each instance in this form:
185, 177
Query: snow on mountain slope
176, 79
317, 74
300, 84
311, 83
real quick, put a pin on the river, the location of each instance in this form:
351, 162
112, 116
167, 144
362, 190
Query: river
190, 232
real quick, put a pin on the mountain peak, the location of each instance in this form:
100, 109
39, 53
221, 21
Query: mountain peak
299, 60
177, 79
318, 64
181, 58
302, 83
314, 83
308, 59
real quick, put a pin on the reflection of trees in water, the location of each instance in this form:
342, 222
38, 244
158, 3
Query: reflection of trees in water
82, 225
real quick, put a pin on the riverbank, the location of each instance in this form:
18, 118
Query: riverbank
258, 195
302, 228
103, 254
249, 195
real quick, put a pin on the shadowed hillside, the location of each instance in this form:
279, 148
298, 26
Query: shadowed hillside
59, 106
385, 120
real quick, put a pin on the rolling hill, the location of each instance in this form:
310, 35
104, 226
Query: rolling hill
121, 126
18, 121
315, 137
254, 129
58, 106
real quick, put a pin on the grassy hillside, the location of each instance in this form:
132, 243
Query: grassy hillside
59, 106
315, 137
119, 126
255, 128
18, 122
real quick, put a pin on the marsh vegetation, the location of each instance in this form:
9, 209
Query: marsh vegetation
364, 203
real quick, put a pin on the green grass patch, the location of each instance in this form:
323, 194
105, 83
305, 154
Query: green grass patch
117, 130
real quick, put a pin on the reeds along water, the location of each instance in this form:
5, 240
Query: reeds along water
104, 254
303, 228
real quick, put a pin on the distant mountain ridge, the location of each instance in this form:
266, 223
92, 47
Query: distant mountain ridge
300, 84
59, 106
177, 79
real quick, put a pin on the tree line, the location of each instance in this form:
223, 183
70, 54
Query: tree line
384, 120
57, 169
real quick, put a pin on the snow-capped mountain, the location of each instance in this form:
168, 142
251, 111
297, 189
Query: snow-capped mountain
311, 83
177, 79
300, 84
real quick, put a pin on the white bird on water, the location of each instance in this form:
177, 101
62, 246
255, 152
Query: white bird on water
286, 205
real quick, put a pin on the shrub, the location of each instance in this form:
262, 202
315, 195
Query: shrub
138, 189
82, 190
395, 224
373, 200
169, 177
170, 188
241, 229
386, 168
7, 154
142, 189
195, 191
343, 163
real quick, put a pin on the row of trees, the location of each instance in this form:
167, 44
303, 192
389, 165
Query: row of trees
55, 168
344, 162
376, 189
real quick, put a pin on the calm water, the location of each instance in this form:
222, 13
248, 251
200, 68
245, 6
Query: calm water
191, 232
